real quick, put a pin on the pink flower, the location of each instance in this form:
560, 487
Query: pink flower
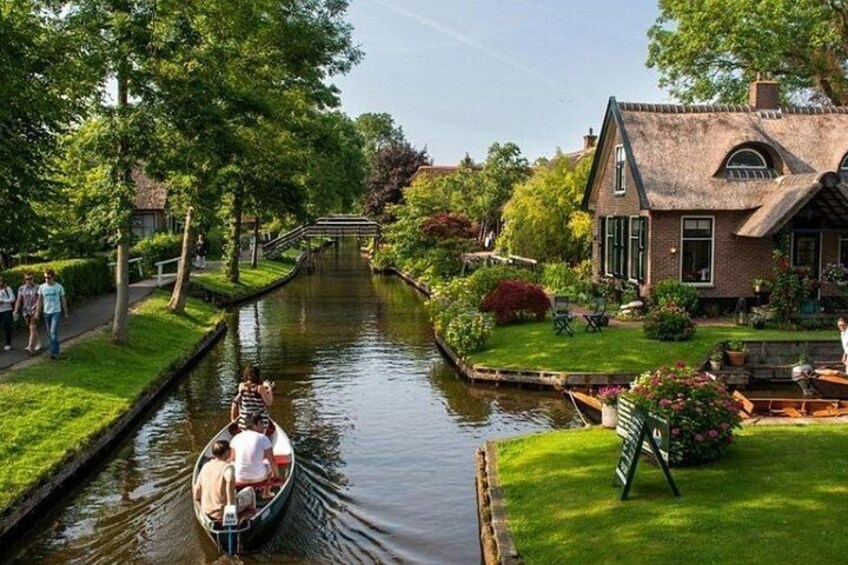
675, 432
713, 434
699, 438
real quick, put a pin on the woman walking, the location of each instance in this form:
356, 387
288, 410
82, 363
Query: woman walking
254, 397
7, 304
26, 306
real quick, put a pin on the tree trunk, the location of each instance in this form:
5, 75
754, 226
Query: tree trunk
232, 266
122, 266
254, 259
180, 293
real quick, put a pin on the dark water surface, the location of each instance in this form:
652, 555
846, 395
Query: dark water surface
384, 429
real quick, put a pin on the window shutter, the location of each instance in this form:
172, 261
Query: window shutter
643, 248
602, 245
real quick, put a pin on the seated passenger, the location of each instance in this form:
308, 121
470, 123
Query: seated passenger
254, 397
252, 453
216, 485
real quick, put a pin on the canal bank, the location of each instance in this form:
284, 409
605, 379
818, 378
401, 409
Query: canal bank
384, 430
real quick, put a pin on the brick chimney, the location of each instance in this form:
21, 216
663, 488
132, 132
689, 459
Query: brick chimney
589, 141
764, 94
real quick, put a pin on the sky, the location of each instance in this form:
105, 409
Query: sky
459, 75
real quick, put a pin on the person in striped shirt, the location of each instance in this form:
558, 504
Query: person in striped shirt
254, 397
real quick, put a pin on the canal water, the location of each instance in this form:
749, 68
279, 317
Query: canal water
384, 429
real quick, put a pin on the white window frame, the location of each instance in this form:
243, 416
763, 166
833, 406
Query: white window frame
757, 152
607, 247
633, 258
711, 283
620, 157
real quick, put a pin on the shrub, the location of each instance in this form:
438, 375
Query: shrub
513, 301
447, 225
383, 258
469, 330
157, 247
669, 322
671, 291
564, 280
448, 300
790, 287
701, 412
484, 280
81, 278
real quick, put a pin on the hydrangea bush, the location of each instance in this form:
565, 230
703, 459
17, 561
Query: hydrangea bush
669, 322
701, 412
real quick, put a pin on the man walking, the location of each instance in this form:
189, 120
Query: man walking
7, 304
52, 302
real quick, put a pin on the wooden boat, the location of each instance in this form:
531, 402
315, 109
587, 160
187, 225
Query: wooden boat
791, 407
231, 539
830, 384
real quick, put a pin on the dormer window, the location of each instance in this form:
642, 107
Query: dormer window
843, 167
748, 163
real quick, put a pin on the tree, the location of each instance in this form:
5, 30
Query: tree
543, 219
504, 168
378, 131
712, 49
391, 170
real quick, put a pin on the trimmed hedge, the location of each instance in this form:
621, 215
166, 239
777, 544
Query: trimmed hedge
157, 247
82, 278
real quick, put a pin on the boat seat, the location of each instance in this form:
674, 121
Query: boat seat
263, 484
282, 459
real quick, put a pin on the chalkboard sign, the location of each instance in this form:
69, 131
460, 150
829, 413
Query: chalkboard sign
640, 431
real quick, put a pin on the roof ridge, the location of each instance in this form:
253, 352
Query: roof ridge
669, 108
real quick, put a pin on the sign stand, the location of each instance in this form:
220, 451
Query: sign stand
639, 431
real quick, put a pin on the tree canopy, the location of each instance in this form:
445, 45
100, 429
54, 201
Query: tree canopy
392, 168
712, 49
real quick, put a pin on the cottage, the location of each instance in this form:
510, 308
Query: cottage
704, 193
151, 198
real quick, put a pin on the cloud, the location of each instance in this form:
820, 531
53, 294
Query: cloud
477, 46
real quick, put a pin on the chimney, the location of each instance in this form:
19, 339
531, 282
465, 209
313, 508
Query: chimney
589, 141
764, 94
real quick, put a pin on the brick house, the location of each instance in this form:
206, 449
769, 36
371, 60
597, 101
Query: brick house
703, 194
151, 199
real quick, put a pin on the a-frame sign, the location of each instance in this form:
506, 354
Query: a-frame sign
640, 431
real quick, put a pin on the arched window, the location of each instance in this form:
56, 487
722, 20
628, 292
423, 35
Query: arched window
747, 158
843, 167
749, 162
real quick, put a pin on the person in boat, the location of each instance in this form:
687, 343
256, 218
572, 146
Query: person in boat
253, 397
216, 485
842, 324
252, 454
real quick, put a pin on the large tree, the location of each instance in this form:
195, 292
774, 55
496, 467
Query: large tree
504, 168
378, 130
709, 50
391, 170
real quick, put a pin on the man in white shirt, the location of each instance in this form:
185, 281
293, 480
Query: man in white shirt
253, 456
842, 324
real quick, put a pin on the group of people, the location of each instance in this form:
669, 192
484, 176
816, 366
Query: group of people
246, 463
32, 302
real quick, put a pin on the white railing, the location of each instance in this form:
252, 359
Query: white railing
160, 266
137, 261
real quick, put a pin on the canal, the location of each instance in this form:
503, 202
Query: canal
384, 429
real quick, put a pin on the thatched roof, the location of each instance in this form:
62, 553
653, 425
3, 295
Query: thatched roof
676, 152
149, 194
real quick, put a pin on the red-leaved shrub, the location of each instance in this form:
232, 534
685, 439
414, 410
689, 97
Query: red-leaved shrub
514, 301
446, 225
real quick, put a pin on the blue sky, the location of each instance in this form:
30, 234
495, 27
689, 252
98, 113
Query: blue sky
458, 75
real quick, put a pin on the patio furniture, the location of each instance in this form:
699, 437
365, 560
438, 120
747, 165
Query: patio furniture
599, 317
562, 316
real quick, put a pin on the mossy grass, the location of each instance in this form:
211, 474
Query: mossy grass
616, 349
777, 496
51, 409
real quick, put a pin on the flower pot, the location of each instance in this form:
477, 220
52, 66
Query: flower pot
715, 365
609, 416
736, 358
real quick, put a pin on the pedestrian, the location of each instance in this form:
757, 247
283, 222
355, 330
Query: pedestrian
842, 324
26, 306
7, 305
52, 303
200, 249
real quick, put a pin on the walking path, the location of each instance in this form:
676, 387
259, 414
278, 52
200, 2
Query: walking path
88, 316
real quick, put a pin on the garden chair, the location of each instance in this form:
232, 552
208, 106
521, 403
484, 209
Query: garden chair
599, 317
562, 316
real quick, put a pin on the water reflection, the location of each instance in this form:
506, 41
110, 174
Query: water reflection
384, 430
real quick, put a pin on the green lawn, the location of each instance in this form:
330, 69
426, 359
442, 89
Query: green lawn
779, 496
52, 408
616, 349
251, 280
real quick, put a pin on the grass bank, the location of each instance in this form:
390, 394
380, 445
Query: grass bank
616, 349
251, 280
777, 497
50, 410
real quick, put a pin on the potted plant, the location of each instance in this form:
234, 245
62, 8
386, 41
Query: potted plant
736, 351
716, 360
608, 396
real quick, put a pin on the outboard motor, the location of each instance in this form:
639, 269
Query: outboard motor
803, 374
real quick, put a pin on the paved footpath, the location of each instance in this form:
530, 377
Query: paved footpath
88, 316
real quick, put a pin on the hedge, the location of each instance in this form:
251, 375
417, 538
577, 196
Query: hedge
157, 247
82, 278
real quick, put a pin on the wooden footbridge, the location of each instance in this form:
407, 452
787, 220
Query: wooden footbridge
329, 226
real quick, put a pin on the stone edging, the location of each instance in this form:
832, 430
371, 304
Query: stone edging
496, 541
27, 508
